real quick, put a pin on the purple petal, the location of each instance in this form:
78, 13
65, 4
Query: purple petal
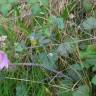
4, 62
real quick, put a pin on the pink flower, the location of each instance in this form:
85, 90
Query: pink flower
4, 62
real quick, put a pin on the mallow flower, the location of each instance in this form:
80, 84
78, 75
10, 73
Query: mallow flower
4, 61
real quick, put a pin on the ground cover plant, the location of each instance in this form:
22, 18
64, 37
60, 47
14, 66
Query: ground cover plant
47, 48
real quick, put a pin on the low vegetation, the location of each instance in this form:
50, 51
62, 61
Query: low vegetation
51, 47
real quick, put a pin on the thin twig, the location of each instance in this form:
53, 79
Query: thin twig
78, 41
35, 65
37, 82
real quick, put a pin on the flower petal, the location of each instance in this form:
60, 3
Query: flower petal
4, 62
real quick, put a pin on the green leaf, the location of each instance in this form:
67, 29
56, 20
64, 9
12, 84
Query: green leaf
65, 90
45, 31
5, 9
89, 23
87, 5
33, 1
82, 46
65, 93
94, 80
81, 91
64, 49
48, 60
89, 62
65, 13
44, 41
94, 69
89, 52
11, 1
3, 1
36, 9
44, 2
57, 22
77, 67
21, 90
19, 47
73, 74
